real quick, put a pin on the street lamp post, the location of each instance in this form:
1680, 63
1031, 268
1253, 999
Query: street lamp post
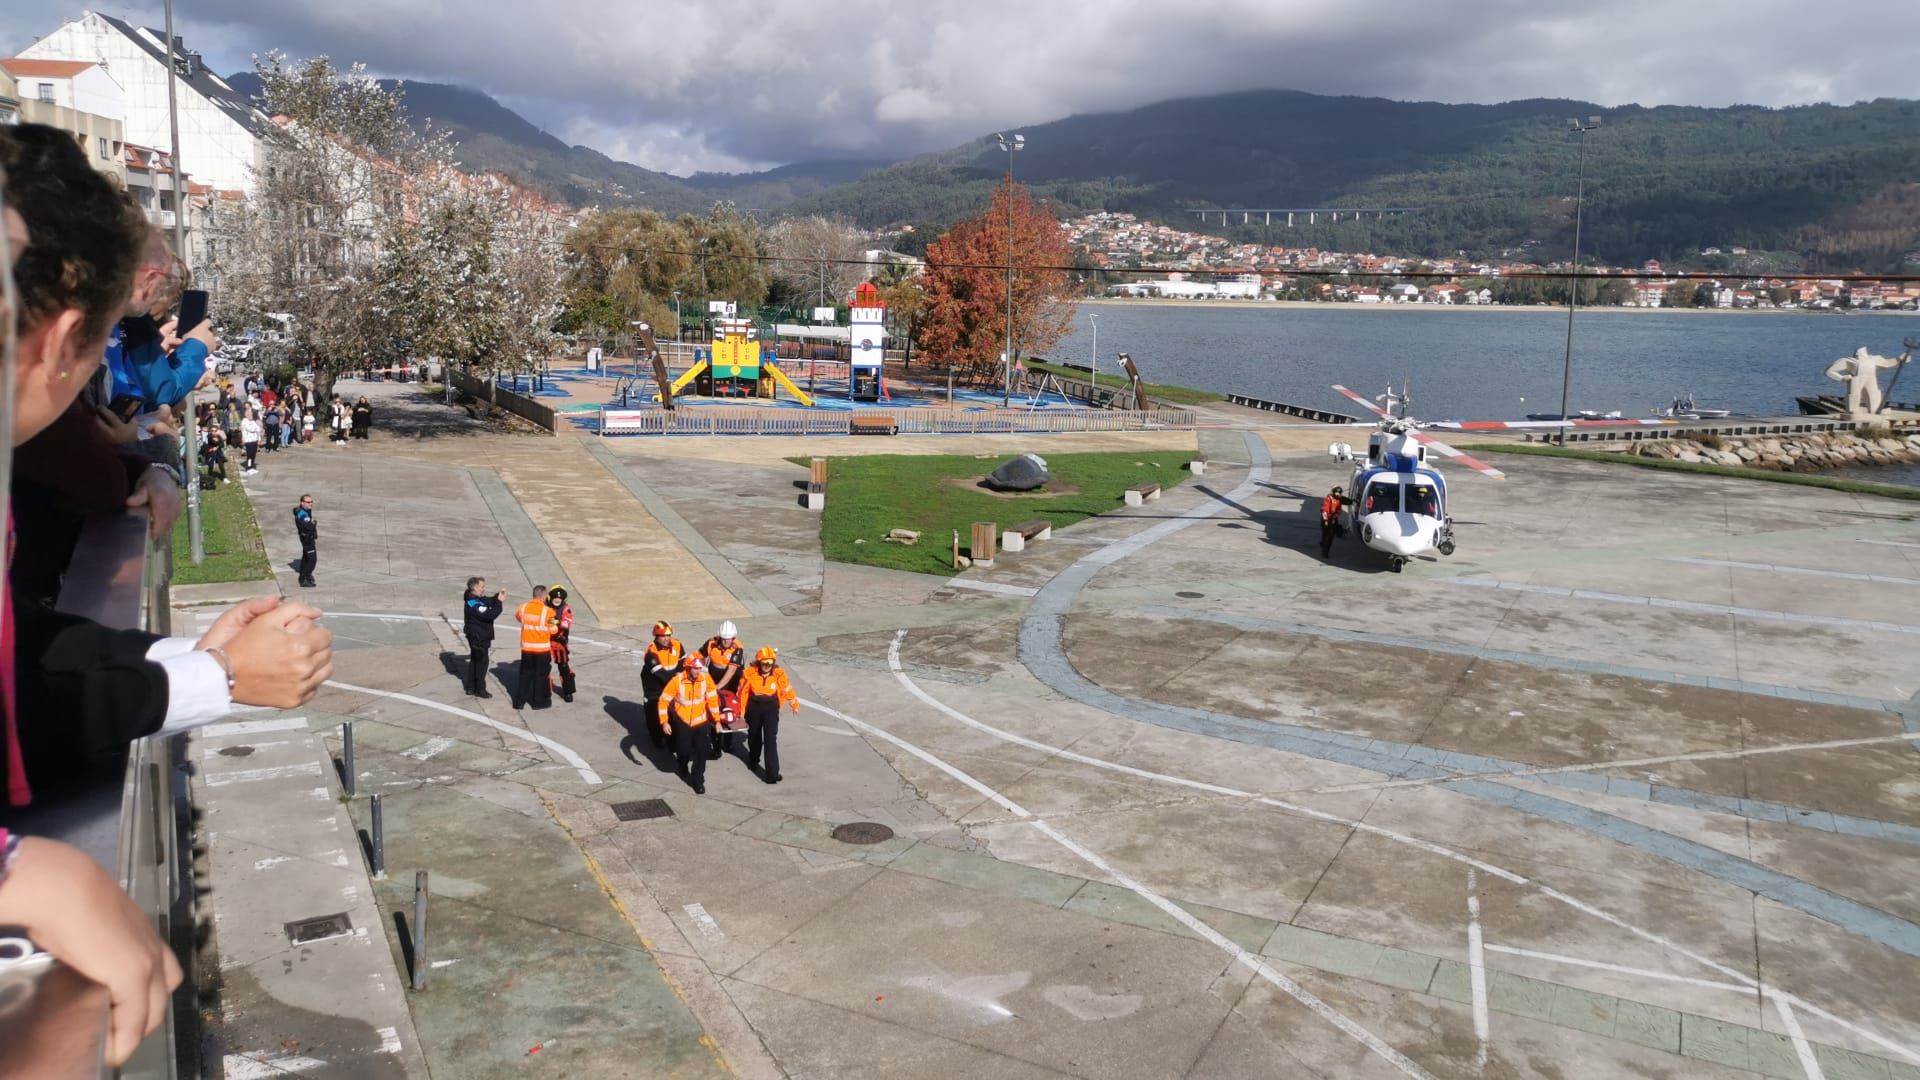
1012, 145
190, 443
1573, 283
1094, 318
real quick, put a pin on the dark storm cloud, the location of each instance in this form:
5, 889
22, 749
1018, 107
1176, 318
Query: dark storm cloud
680, 84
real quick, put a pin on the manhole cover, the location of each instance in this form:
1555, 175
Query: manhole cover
235, 751
862, 832
642, 809
318, 928
1191, 595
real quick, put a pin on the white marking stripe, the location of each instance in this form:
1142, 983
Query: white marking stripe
274, 772
1619, 969
245, 1067
1435, 849
1682, 605
1888, 543
389, 1040
1477, 968
708, 928
253, 727
1809, 1064
1174, 911
1844, 575
565, 753
428, 749
992, 587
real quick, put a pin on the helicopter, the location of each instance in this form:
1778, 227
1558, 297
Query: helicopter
1399, 503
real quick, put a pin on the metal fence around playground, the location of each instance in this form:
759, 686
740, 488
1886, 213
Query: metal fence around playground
750, 420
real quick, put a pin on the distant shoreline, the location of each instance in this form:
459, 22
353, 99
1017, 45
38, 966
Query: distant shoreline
1318, 305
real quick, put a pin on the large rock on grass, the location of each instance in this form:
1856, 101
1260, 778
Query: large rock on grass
1028, 472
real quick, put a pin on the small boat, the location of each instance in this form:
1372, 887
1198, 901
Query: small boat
1684, 408
1583, 414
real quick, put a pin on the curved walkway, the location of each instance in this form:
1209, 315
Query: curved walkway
1042, 652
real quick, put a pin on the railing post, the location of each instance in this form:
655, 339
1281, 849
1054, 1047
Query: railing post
346, 757
420, 964
379, 842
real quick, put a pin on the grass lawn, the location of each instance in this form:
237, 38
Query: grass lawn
867, 496
1156, 392
1831, 483
232, 539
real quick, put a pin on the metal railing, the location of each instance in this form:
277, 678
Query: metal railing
518, 404
752, 420
131, 823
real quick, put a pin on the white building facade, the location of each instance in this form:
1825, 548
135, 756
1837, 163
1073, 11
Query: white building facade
220, 131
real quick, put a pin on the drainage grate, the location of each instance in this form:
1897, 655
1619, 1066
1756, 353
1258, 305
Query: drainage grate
234, 751
1191, 595
862, 832
642, 809
318, 928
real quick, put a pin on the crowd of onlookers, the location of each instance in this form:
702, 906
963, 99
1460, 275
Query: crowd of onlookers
100, 362
265, 414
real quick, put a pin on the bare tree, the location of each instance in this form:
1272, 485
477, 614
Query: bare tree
818, 261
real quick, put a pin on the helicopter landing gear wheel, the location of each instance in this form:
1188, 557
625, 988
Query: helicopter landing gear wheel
1396, 564
1446, 546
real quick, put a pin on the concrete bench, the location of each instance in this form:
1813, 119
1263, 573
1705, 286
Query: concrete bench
873, 425
1198, 466
1015, 538
1138, 494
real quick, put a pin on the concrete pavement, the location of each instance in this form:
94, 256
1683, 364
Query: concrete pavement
1263, 815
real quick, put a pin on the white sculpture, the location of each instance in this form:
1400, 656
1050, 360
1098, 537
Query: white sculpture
1861, 373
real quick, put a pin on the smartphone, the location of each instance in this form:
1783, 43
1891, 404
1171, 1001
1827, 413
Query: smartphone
126, 406
193, 310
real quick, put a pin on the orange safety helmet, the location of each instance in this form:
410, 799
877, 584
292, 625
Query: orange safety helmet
694, 663
662, 629
766, 653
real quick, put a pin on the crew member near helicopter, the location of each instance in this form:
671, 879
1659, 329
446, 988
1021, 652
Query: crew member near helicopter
726, 660
563, 626
763, 689
660, 664
689, 711
536, 651
1330, 519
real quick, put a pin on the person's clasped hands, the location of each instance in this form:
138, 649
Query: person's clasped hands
274, 651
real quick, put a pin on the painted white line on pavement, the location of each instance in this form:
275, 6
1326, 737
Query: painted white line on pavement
1750, 983
272, 772
1888, 543
1691, 606
246, 1067
430, 748
564, 752
992, 587
1844, 575
1809, 1064
1179, 914
371, 615
825, 730
253, 727
708, 928
1477, 968
1619, 969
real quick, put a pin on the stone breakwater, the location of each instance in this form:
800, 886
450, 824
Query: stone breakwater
1792, 453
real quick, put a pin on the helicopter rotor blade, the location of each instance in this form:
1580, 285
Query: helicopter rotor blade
1364, 403
1468, 460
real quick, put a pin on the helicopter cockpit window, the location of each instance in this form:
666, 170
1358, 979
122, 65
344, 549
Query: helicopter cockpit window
1382, 498
1420, 500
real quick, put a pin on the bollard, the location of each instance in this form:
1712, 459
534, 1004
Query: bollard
346, 755
379, 843
420, 965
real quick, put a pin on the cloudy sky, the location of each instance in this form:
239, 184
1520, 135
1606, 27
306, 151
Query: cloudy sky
680, 85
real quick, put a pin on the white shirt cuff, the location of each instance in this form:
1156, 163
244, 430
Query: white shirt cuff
168, 647
196, 687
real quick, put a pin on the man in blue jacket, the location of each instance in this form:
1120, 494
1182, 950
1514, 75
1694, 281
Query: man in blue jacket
479, 610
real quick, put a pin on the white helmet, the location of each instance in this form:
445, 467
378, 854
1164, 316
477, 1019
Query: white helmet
727, 630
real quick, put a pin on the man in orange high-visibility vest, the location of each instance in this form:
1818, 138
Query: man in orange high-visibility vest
537, 625
689, 712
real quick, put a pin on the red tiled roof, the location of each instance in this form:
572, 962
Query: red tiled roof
46, 69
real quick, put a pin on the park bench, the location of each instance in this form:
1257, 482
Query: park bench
1138, 494
1015, 537
874, 425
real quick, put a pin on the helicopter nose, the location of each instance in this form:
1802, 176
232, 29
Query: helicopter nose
1399, 534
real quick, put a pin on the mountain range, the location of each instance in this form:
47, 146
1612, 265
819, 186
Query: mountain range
1826, 185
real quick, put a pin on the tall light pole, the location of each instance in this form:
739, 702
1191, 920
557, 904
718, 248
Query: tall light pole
1573, 283
190, 440
1094, 318
1011, 146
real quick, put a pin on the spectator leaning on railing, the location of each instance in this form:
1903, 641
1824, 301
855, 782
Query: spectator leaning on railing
86, 690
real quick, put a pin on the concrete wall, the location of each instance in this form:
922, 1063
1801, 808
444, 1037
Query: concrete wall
88, 130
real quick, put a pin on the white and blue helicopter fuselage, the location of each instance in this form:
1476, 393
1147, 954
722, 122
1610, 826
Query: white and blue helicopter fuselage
1398, 502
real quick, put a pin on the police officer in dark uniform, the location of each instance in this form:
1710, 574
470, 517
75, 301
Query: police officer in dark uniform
309, 539
480, 610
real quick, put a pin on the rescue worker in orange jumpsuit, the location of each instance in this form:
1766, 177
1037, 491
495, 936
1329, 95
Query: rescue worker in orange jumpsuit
689, 710
563, 626
726, 660
1330, 520
763, 689
537, 625
660, 664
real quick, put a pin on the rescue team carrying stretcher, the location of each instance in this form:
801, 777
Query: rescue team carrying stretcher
694, 700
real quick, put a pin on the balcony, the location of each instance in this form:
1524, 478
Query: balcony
161, 218
130, 822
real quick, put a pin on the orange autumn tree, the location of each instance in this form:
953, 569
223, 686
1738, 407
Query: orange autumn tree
964, 321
